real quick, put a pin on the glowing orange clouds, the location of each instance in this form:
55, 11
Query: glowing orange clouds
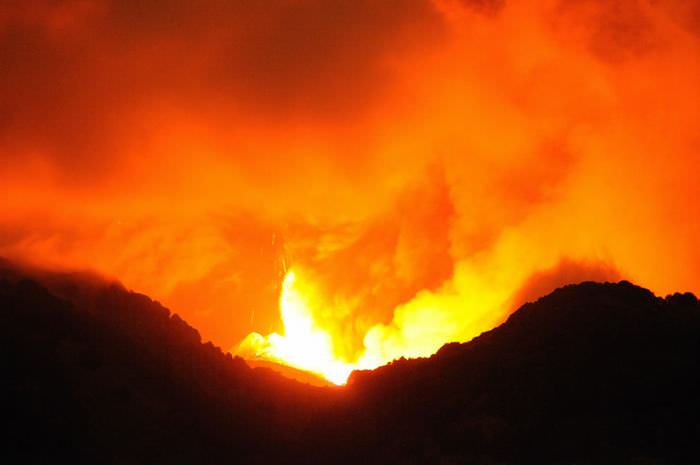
422, 166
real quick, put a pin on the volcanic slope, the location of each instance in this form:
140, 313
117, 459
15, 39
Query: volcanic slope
592, 373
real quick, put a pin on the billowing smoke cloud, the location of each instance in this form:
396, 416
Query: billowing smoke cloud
427, 164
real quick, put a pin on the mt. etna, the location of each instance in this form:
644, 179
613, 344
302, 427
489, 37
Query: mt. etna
590, 374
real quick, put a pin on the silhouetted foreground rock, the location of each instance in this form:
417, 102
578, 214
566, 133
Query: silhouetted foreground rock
591, 374
121, 380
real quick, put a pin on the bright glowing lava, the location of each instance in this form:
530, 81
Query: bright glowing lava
418, 328
304, 344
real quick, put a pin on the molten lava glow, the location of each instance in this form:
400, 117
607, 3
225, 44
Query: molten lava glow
304, 344
418, 328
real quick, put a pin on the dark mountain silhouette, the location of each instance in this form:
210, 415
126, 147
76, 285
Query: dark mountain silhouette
591, 374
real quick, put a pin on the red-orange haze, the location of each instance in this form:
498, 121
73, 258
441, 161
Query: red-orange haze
396, 173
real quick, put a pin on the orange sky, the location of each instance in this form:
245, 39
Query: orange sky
424, 165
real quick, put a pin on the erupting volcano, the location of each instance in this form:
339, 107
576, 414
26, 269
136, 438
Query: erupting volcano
324, 187
308, 345
303, 345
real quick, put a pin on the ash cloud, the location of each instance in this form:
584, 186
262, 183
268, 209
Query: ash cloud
407, 154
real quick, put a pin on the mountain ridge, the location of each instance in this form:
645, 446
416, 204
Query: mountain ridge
591, 373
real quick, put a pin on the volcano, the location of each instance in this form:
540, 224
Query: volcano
350, 232
595, 373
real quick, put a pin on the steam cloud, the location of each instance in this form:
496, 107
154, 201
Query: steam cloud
428, 164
